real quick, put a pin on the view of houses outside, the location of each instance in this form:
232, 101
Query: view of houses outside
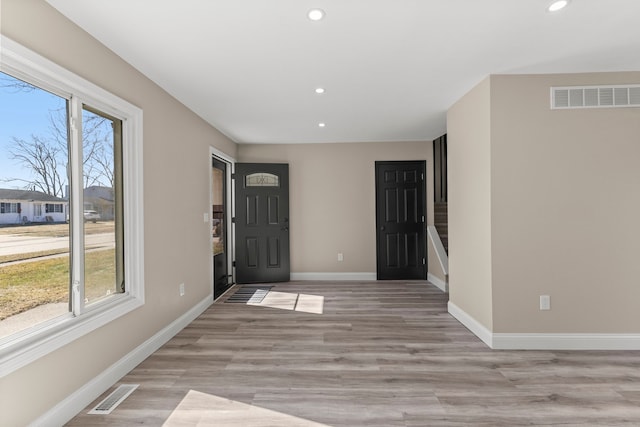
35, 206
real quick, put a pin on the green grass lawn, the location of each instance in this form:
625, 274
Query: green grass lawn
30, 255
31, 284
56, 230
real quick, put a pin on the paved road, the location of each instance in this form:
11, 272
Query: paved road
15, 244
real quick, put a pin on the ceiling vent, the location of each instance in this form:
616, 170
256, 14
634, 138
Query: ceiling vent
595, 96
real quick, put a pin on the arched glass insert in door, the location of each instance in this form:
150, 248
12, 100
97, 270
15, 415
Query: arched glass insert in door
262, 179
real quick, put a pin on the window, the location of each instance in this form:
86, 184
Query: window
89, 142
9, 208
54, 208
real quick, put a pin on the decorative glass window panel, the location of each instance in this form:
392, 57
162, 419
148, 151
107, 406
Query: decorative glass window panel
262, 179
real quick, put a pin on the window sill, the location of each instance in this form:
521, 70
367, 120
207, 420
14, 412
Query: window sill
27, 347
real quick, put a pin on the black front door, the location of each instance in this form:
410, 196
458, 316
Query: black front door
262, 222
221, 276
400, 220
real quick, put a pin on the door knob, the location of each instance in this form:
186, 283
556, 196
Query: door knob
382, 228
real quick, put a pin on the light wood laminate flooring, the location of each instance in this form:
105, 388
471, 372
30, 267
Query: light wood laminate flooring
365, 354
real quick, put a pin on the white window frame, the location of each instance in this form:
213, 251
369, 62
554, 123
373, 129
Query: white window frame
54, 208
25, 347
10, 207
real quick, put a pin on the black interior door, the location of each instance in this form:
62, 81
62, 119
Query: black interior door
262, 222
400, 220
221, 277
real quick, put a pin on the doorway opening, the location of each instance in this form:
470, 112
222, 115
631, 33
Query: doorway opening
220, 222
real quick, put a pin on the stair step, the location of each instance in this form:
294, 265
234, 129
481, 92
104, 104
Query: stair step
441, 222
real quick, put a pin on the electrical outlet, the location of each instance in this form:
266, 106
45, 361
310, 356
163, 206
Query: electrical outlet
205, 217
340, 256
181, 289
545, 302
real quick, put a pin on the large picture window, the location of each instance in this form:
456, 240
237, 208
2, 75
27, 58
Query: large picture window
76, 149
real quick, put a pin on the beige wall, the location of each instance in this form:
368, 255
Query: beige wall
332, 199
544, 202
176, 194
469, 197
565, 209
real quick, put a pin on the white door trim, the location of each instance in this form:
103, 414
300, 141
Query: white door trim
230, 161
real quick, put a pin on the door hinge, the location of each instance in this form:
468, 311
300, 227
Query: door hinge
233, 176
422, 218
422, 176
233, 264
233, 220
424, 261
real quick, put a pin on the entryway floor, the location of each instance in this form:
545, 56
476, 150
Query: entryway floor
365, 354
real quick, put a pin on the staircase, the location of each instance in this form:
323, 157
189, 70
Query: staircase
441, 223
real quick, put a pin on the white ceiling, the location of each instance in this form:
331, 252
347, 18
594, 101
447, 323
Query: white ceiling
391, 68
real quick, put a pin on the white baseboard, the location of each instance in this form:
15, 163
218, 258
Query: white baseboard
76, 402
506, 341
441, 253
566, 341
334, 276
470, 323
438, 282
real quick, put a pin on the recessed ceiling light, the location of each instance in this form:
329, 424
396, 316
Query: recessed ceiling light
321, 125
316, 14
320, 90
557, 5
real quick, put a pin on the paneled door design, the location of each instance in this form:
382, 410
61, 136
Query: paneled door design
400, 220
262, 222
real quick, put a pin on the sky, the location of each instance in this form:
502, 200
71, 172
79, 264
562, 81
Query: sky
22, 114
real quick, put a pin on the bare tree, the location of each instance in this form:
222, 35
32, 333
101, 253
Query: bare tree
43, 160
15, 85
97, 150
103, 162
46, 156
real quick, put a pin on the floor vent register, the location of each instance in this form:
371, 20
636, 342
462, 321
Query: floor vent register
114, 399
249, 295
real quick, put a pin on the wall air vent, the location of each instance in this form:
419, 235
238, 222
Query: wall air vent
114, 399
595, 96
